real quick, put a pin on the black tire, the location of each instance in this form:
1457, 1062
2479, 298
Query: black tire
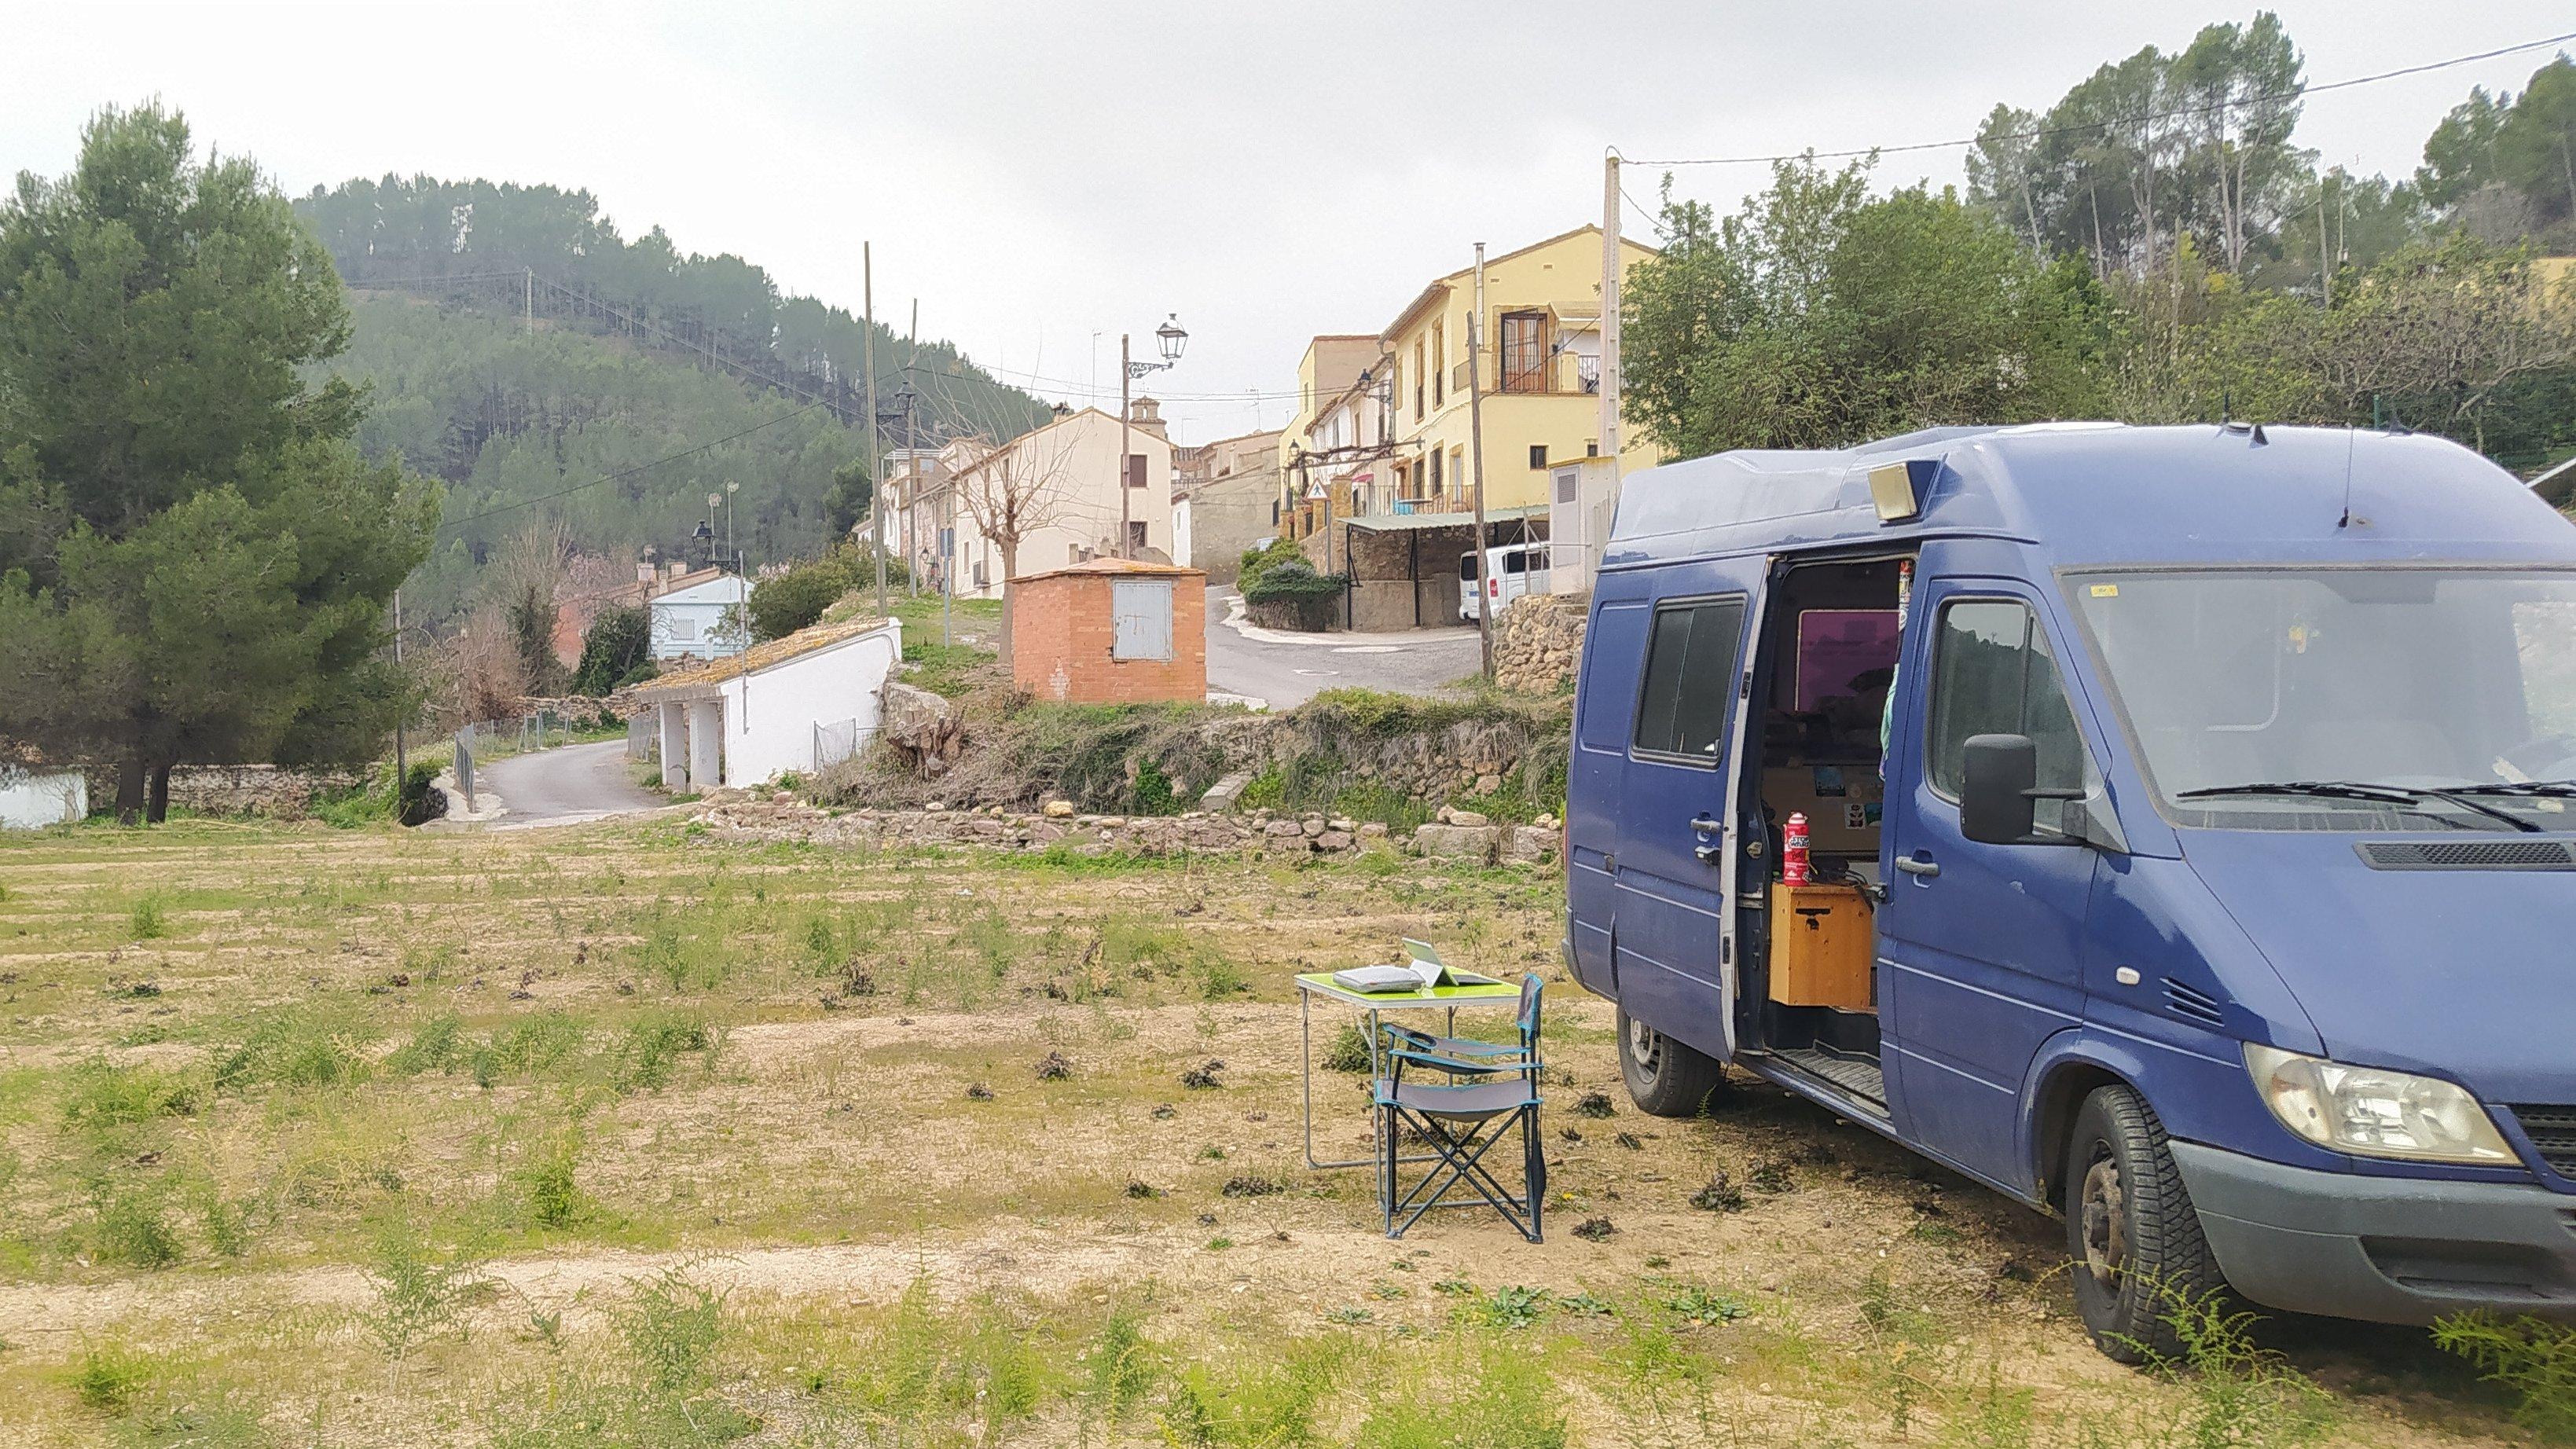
1665, 1077
2132, 1231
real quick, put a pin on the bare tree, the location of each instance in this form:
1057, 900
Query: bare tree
1010, 491
522, 584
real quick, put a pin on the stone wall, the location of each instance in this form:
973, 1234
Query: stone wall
1466, 756
1538, 643
271, 790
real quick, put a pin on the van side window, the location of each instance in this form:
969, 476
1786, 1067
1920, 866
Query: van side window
1690, 677
1992, 674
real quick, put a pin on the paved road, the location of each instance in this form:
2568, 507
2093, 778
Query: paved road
1285, 670
564, 785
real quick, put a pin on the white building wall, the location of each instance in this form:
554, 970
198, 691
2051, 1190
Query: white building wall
32, 800
770, 717
693, 621
1080, 455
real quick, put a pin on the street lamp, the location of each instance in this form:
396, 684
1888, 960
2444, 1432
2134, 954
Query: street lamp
1170, 339
731, 488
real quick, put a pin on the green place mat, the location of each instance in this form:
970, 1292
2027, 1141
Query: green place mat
1321, 982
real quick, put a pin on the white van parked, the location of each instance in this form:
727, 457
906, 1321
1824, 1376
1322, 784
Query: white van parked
1509, 572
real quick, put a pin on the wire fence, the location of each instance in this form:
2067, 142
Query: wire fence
838, 740
644, 736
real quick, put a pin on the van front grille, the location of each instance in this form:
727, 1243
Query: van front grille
2467, 854
2552, 1131
2191, 1002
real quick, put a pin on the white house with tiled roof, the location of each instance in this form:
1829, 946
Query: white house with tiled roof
802, 702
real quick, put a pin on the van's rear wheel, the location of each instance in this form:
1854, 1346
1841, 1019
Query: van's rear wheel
2130, 1226
1664, 1076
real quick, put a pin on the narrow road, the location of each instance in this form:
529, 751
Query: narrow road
1285, 670
564, 785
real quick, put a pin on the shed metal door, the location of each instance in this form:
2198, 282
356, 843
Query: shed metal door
1140, 612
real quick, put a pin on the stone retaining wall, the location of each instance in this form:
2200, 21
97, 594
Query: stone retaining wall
272, 790
786, 818
1538, 643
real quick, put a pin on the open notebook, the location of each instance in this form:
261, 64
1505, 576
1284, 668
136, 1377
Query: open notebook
1421, 969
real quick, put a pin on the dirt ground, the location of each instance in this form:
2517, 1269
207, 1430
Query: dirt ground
617, 1134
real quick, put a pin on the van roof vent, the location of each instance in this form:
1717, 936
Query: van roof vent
2467, 854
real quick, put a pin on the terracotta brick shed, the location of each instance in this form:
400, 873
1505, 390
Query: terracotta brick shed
1110, 631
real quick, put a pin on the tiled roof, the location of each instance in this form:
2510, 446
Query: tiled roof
760, 656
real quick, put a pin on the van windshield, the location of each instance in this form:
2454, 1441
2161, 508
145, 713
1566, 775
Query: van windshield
2347, 698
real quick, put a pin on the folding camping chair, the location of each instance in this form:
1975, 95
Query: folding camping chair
1490, 1087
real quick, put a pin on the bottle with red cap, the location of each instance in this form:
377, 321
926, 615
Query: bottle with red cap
1794, 868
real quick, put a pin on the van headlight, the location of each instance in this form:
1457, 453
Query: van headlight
2369, 1112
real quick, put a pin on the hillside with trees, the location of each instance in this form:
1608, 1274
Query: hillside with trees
517, 347
2154, 247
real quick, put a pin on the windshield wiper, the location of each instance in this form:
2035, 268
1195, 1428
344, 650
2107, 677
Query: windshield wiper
2358, 790
2544, 789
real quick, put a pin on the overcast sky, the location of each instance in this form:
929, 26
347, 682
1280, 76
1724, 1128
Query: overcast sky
1039, 175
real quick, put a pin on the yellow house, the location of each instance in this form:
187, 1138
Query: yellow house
1541, 375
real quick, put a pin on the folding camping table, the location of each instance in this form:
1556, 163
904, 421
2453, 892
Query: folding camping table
1370, 1004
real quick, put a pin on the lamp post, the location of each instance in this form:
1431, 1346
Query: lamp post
731, 488
1170, 339
715, 558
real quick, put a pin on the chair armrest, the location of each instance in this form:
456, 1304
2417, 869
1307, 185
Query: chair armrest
1462, 1065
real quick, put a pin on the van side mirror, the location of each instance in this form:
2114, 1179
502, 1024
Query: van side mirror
1999, 790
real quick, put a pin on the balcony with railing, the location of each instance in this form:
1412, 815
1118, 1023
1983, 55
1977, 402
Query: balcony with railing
1549, 374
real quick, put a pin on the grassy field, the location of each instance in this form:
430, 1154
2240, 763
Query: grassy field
620, 1136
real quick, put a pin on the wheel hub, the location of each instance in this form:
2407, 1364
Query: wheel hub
1645, 1047
2104, 1208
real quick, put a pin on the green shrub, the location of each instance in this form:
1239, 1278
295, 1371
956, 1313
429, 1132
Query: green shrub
1153, 792
131, 1226
438, 1046
547, 1188
109, 1377
101, 1095
619, 641
148, 921
1254, 1400
650, 1052
2534, 1359
1349, 1051
532, 1044
1292, 594
294, 1049
1258, 561
420, 1291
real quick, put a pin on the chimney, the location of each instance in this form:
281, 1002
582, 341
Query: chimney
1146, 415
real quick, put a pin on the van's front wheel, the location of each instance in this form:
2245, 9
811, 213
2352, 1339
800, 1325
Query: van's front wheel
2139, 1255
1665, 1077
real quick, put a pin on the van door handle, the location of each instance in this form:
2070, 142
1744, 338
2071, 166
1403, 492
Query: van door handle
1705, 850
1918, 865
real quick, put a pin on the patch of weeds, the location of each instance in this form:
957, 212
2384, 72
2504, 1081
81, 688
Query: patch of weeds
549, 1196
1054, 1067
1253, 1184
1219, 979
1997, 1417
1120, 1365
1508, 1308
2239, 1392
226, 1224
1248, 1399
1707, 1308
294, 1049
978, 1092
148, 921
1204, 1077
1453, 1288
1502, 1398
529, 1046
1141, 1190
1349, 1316
1211, 1153
130, 1224
101, 1095
1218, 1244
1594, 1230
1349, 1051
109, 1377
2533, 1359
1594, 1104
420, 1292
437, 1045
1719, 1196
1586, 1304
649, 1053
1771, 1175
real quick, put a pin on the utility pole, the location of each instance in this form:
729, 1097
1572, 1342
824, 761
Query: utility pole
1609, 425
868, 351
1126, 381
402, 760
1487, 596
912, 462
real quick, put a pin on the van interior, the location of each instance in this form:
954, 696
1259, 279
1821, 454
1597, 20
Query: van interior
1826, 664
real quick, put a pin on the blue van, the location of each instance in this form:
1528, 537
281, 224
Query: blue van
2192, 824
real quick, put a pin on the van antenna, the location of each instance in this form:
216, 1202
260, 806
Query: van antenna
2351, 439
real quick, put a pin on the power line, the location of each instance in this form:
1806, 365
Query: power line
628, 472
2033, 135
